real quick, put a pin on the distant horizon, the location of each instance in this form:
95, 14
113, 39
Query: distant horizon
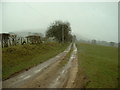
27, 32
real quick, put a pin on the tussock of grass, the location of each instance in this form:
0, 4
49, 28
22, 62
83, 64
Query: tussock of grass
21, 57
66, 58
100, 64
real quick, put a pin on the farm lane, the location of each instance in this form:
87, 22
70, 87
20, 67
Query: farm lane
57, 77
25, 77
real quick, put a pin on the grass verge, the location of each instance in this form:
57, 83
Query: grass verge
22, 57
100, 65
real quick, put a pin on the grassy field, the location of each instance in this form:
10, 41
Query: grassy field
100, 65
21, 57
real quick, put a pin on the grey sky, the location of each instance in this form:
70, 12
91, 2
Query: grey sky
88, 20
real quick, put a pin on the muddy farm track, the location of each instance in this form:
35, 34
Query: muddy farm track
50, 74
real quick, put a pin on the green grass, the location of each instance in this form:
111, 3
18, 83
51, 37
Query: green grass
100, 65
21, 57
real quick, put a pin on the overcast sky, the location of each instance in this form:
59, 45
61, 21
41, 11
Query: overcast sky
88, 20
